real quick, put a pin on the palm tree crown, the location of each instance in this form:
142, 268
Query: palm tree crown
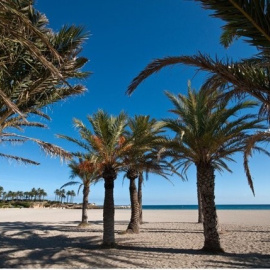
208, 131
27, 84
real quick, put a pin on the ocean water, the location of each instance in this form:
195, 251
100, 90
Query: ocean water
219, 207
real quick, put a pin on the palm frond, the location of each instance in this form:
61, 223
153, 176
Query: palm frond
48, 148
19, 159
71, 183
249, 19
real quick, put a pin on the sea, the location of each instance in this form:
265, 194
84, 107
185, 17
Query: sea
219, 207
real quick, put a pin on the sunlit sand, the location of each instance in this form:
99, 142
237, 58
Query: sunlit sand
50, 238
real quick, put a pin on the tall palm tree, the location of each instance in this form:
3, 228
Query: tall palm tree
142, 156
208, 133
107, 146
88, 173
27, 84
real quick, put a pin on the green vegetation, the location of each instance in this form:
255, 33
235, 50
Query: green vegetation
86, 171
37, 65
248, 77
61, 195
26, 199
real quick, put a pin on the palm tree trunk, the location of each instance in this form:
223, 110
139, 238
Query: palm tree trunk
206, 179
200, 214
86, 190
108, 214
140, 182
133, 226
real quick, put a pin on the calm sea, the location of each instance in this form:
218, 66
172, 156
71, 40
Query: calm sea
219, 207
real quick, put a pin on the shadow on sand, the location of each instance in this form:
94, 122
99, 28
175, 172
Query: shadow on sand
34, 245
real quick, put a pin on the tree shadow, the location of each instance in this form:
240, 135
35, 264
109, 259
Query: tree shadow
247, 260
180, 231
37, 245
33, 245
231, 260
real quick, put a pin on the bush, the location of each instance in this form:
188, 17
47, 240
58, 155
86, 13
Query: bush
21, 204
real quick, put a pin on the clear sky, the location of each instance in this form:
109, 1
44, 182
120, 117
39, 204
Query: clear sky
125, 37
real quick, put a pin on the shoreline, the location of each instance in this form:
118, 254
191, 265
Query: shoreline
51, 238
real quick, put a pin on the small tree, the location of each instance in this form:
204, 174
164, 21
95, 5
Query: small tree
88, 173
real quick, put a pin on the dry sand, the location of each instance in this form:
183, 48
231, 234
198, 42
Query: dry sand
50, 238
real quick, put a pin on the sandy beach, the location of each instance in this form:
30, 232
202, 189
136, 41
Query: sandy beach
50, 238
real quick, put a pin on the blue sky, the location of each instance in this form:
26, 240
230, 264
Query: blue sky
125, 37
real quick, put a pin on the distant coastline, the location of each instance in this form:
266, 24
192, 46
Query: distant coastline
219, 207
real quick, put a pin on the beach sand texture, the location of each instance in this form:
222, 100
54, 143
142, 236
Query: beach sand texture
50, 238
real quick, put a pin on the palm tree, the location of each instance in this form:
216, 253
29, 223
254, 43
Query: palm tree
107, 146
208, 133
34, 193
11, 195
62, 195
26, 195
142, 156
43, 194
57, 192
1, 192
68, 194
88, 174
72, 195
27, 85
4, 196
20, 195
248, 19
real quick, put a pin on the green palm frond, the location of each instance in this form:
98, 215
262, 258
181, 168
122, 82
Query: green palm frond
36, 66
104, 143
34, 84
235, 79
252, 145
76, 141
69, 39
71, 183
245, 75
244, 18
208, 131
